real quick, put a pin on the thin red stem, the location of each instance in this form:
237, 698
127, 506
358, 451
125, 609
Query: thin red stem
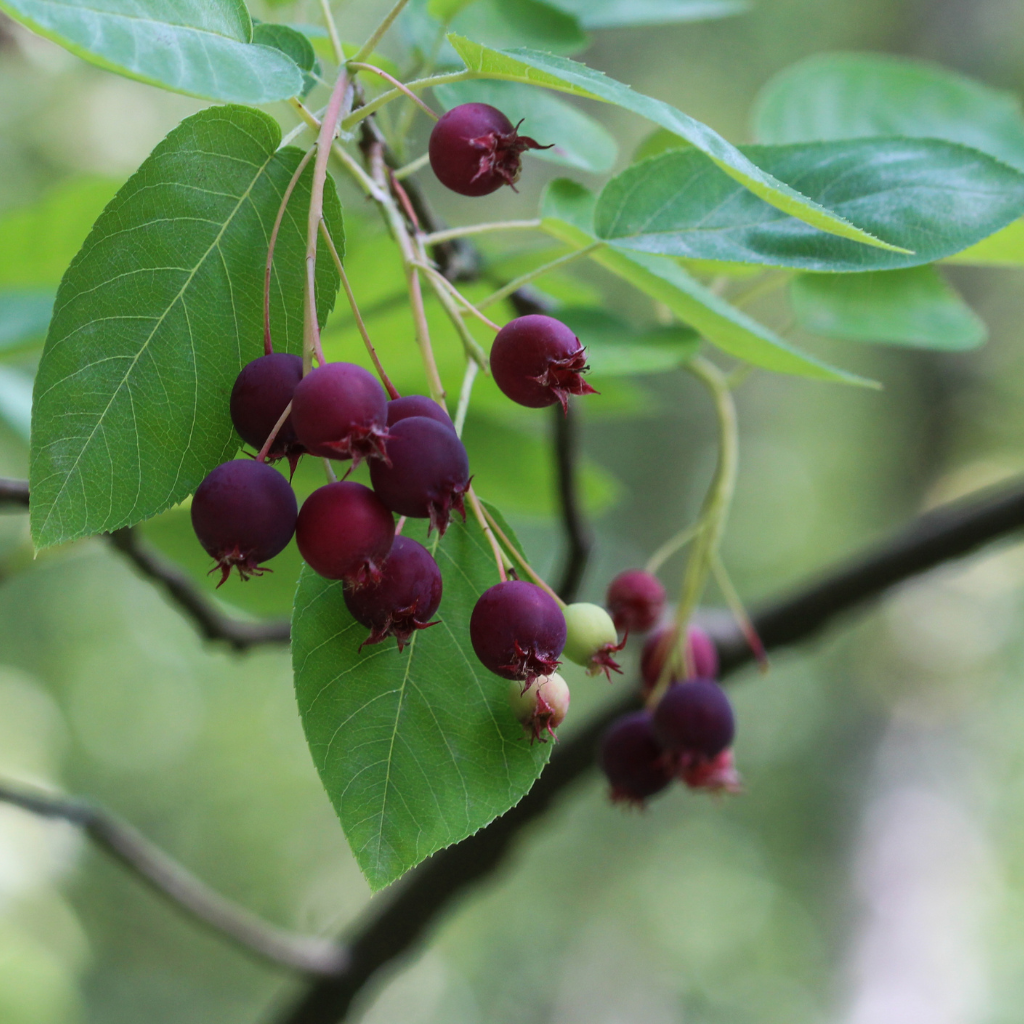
397, 84
262, 457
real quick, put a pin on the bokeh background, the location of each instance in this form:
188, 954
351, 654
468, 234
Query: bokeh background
872, 873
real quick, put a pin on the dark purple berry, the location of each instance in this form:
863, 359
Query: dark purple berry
474, 149
695, 718
701, 655
417, 405
261, 393
345, 533
427, 471
243, 514
636, 600
632, 759
537, 361
340, 412
518, 631
403, 599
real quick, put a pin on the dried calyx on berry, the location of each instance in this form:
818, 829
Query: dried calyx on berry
541, 708
633, 760
427, 472
636, 600
537, 361
243, 514
517, 631
701, 656
403, 600
340, 412
590, 638
475, 149
261, 393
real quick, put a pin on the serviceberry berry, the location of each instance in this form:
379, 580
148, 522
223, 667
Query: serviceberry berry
717, 774
403, 599
636, 600
695, 718
537, 361
475, 149
340, 412
345, 533
427, 472
417, 405
633, 760
590, 638
701, 655
261, 393
243, 514
543, 707
518, 631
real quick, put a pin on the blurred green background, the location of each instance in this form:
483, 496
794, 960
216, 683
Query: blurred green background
873, 872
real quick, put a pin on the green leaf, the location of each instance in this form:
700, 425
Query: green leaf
564, 75
24, 317
661, 140
862, 95
935, 198
1003, 249
155, 317
568, 211
914, 307
579, 140
295, 44
624, 13
199, 47
417, 749
502, 23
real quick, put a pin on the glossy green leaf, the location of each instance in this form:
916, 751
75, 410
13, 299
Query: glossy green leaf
155, 317
295, 44
568, 212
935, 198
564, 75
579, 141
914, 307
199, 47
862, 95
417, 749
24, 317
623, 13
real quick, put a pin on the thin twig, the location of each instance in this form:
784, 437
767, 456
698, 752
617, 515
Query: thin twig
450, 234
380, 31
465, 393
13, 492
332, 31
403, 172
524, 279
577, 530
520, 557
307, 954
500, 558
358, 66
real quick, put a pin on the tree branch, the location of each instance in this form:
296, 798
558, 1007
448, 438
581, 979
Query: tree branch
13, 492
310, 955
392, 930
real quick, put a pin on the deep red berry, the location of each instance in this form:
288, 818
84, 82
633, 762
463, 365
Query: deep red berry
633, 760
427, 473
701, 655
417, 405
518, 631
340, 412
537, 361
695, 718
475, 149
243, 514
636, 600
261, 393
404, 598
345, 533
542, 708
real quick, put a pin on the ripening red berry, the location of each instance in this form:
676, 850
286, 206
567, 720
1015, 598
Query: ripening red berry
701, 654
261, 393
537, 361
636, 600
417, 405
518, 631
475, 149
632, 759
340, 412
243, 514
542, 708
695, 718
403, 599
427, 471
345, 533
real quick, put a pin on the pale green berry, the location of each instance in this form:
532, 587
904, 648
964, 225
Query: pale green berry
589, 633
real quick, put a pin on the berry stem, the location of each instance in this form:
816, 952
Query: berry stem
513, 286
450, 234
527, 568
359, 66
443, 282
332, 477
735, 603
472, 369
499, 556
393, 94
669, 548
473, 351
272, 437
332, 31
411, 168
380, 31
268, 346
385, 380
